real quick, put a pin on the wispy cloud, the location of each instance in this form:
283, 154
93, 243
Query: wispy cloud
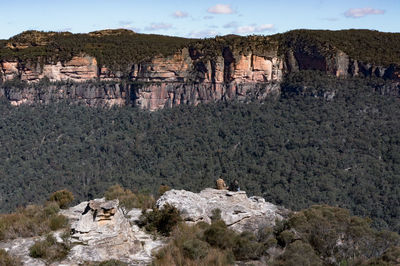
362, 12
220, 9
208, 17
330, 19
158, 26
254, 28
180, 14
232, 24
203, 33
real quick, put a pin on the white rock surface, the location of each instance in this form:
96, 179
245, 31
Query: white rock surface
238, 211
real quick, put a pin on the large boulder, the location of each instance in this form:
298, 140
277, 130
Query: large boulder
238, 211
100, 231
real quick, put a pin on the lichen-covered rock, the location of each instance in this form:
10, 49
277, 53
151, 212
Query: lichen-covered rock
238, 211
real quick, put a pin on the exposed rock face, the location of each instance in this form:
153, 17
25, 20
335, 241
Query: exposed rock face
189, 76
101, 232
238, 211
90, 94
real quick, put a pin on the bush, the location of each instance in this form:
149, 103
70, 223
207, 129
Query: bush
129, 200
161, 220
298, 253
62, 197
246, 247
218, 235
186, 247
58, 222
51, 208
7, 260
195, 249
31, 221
49, 249
162, 189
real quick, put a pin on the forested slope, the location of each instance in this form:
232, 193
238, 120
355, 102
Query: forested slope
296, 151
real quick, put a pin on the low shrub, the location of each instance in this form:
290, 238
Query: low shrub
162, 189
161, 220
49, 250
195, 249
62, 197
7, 260
32, 220
57, 222
129, 200
187, 248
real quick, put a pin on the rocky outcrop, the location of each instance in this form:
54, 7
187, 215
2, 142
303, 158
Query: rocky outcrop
100, 231
239, 212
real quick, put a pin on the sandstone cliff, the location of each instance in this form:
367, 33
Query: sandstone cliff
190, 76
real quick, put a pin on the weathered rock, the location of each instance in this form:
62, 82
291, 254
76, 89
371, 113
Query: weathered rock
189, 76
101, 232
238, 211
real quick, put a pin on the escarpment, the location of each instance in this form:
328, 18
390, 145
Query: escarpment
191, 75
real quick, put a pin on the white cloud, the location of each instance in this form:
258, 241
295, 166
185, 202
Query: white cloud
180, 14
254, 28
158, 26
362, 12
220, 9
208, 17
265, 27
203, 33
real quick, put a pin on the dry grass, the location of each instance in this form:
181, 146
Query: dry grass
32, 220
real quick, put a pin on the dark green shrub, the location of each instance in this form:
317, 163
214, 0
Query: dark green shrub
195, 249
246, 247
285, 238
218, 235
57, 222
299, 253
51, 208
62, 197
215, 215
161, 220
49, 250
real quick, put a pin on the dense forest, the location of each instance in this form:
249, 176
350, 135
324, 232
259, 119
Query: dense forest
119, 49
302, 149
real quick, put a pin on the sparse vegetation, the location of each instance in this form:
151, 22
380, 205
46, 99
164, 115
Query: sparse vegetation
49, 249
8, 260
129, 200
320, 235
32, 220
62, 197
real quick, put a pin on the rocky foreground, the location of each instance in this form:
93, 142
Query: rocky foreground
100, 229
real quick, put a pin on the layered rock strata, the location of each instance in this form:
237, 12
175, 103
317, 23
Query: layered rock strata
187, 77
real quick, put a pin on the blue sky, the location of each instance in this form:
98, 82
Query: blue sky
197, 18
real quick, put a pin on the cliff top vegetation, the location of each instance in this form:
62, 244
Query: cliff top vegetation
119, 49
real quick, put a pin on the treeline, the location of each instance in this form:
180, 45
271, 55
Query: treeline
297, 151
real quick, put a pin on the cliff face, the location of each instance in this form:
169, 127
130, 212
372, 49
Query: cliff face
189, 76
